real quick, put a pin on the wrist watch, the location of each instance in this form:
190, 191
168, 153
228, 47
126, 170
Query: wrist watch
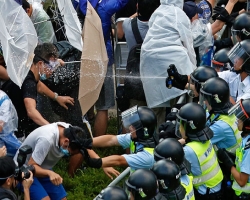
56, 95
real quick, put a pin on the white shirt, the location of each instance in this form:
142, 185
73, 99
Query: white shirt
238, 89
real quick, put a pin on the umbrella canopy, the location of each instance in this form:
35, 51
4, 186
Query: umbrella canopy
18, 38
71, 23
94, 60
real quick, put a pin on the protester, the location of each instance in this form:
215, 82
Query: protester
8, 125
8, 182
41, 21
169, 34
49, 144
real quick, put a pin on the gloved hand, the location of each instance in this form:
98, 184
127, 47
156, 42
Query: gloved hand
224, 157
221, 14
167, 130
94, 162
175, 79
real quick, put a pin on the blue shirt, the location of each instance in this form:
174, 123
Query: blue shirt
139, 160
245, 164
196, 170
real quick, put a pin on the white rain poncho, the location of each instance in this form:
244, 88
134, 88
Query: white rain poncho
44, 28
168, 41
8, 114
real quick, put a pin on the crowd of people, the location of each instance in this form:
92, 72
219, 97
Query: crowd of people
193, 150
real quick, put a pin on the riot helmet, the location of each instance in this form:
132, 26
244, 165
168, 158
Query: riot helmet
142, 119
142, 184
242, 112
112, 193
241, 28
214, 95
199, 76
220, 61
191, 119
168, 176
239, 56
171, 149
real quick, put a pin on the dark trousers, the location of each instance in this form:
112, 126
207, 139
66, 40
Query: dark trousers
211, 196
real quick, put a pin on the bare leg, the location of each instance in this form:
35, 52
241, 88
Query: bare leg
101, 123
74, 163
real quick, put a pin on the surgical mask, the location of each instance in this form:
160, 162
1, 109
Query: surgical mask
64, 151
42, 75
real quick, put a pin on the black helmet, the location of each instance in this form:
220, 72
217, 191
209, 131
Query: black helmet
220, 60
202, 74
143, 119
216, 92
142, 184
242, 111
193, 118
168, 175
112, 193
171, 149
241, 27
240, 54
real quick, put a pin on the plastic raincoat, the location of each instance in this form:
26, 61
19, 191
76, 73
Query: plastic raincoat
44, 29
168, 41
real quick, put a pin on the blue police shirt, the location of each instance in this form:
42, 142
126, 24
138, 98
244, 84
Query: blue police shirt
223, 134
140, 160
245, 164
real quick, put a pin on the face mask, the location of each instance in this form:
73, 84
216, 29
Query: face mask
64, 151
42, 75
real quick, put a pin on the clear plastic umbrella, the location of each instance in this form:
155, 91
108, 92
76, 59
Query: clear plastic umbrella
18, 39
71, 23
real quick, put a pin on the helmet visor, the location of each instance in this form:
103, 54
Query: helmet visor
235, 35
237, 55
218, 66
193, 84
239, 111
179, 122
130, 118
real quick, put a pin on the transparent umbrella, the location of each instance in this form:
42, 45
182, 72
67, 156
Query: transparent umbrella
18, 39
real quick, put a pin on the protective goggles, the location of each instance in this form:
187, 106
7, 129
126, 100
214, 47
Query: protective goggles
132, 189
182, 122
218, 66
204, 96
131, 117
236, 34
193, 86
239, 111
238, 55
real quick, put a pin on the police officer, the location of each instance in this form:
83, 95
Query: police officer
171, 149
191, 123
214, 96
142, 185
191, 82
240, 170
238, 79
220, 61
112, 193
168, 176
140, 122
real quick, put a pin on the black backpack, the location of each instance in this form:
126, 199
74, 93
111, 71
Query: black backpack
132, 82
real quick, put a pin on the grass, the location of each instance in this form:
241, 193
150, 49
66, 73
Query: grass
88, 182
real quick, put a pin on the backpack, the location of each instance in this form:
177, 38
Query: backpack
132, 82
